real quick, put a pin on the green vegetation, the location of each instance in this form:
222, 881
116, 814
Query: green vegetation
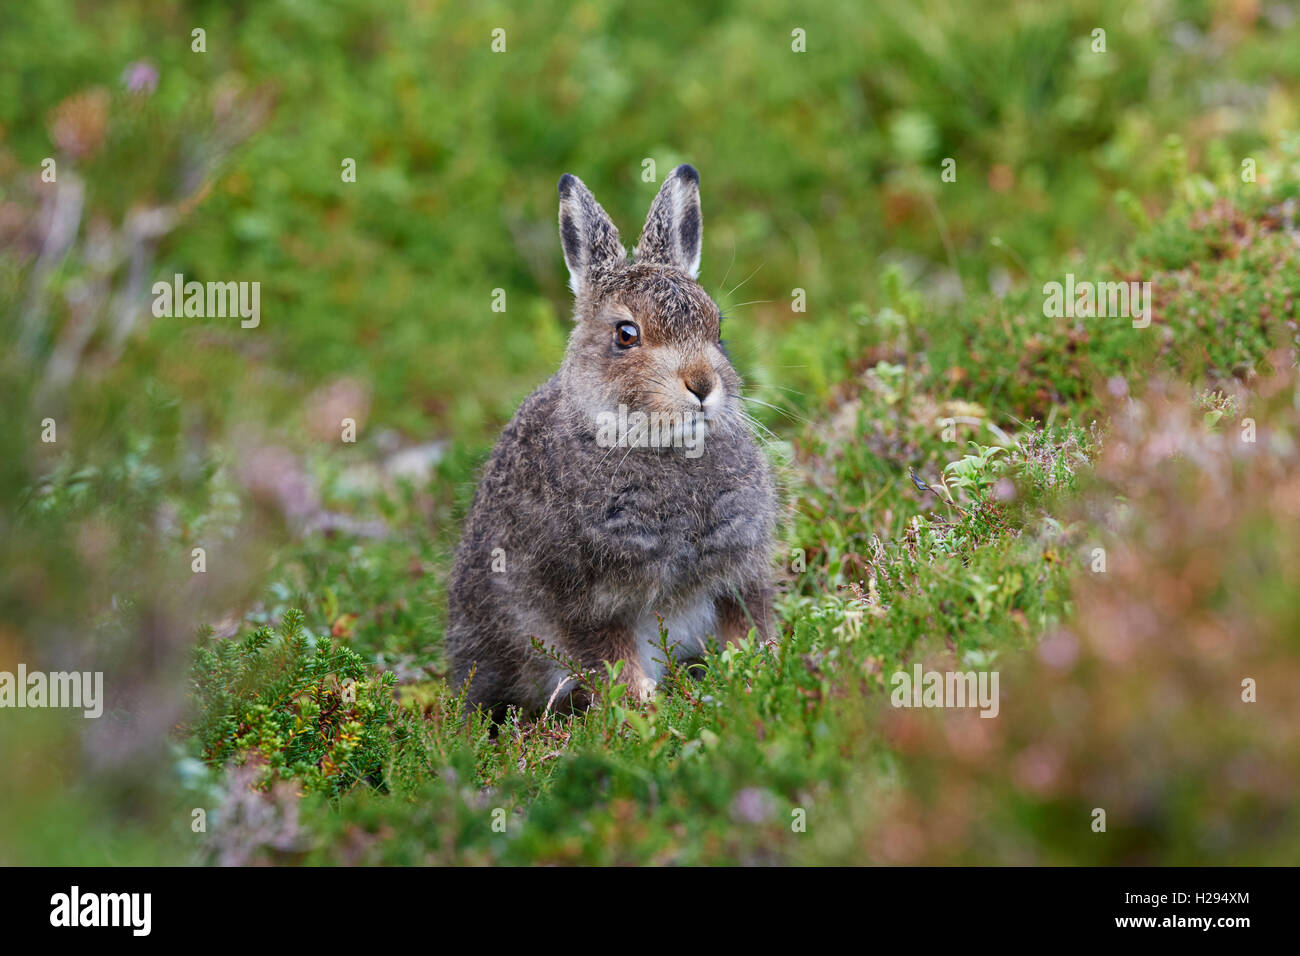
952, 459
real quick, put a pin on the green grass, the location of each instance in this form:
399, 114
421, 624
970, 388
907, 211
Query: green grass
296, 689
973, 572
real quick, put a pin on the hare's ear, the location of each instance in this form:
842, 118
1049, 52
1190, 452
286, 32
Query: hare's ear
673, 229
587, 234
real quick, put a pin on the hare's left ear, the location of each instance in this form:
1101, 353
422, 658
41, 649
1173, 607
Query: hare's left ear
673, 228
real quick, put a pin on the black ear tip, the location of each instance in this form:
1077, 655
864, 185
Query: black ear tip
566, 183
689, 173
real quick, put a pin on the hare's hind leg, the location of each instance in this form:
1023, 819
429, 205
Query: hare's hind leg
615, 642
488, 687
742, 609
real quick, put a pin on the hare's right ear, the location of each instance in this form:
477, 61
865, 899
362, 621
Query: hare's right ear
671, 236
587, 234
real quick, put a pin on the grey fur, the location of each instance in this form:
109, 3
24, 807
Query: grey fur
597, 541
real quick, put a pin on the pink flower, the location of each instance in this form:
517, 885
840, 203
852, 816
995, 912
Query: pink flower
140, 77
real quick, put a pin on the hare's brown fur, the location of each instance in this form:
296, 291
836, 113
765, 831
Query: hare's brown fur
585, 546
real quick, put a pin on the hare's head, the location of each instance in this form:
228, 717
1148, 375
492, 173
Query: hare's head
647, 334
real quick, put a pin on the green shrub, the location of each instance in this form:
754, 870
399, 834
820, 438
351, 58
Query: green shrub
296, 704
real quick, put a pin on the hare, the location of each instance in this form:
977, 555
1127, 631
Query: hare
627, 489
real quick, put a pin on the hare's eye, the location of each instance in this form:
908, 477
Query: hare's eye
626, 335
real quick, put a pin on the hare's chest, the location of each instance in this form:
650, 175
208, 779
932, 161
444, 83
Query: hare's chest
687, 626
663, 538
636, 520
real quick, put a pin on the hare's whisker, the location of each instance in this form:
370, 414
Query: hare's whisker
776, 408
746, 279
620, 464
760, 431
729, 265
792, 391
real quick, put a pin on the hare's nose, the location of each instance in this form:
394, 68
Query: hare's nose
700, 386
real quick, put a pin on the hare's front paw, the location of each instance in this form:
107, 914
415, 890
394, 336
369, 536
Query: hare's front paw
639, 687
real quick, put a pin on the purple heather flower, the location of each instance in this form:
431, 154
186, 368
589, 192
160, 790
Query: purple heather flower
141, 77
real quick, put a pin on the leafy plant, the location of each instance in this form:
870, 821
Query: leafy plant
296, 704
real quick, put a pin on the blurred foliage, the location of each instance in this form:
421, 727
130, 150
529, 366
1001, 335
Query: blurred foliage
310, 711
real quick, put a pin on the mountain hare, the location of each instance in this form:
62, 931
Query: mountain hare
626, 489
